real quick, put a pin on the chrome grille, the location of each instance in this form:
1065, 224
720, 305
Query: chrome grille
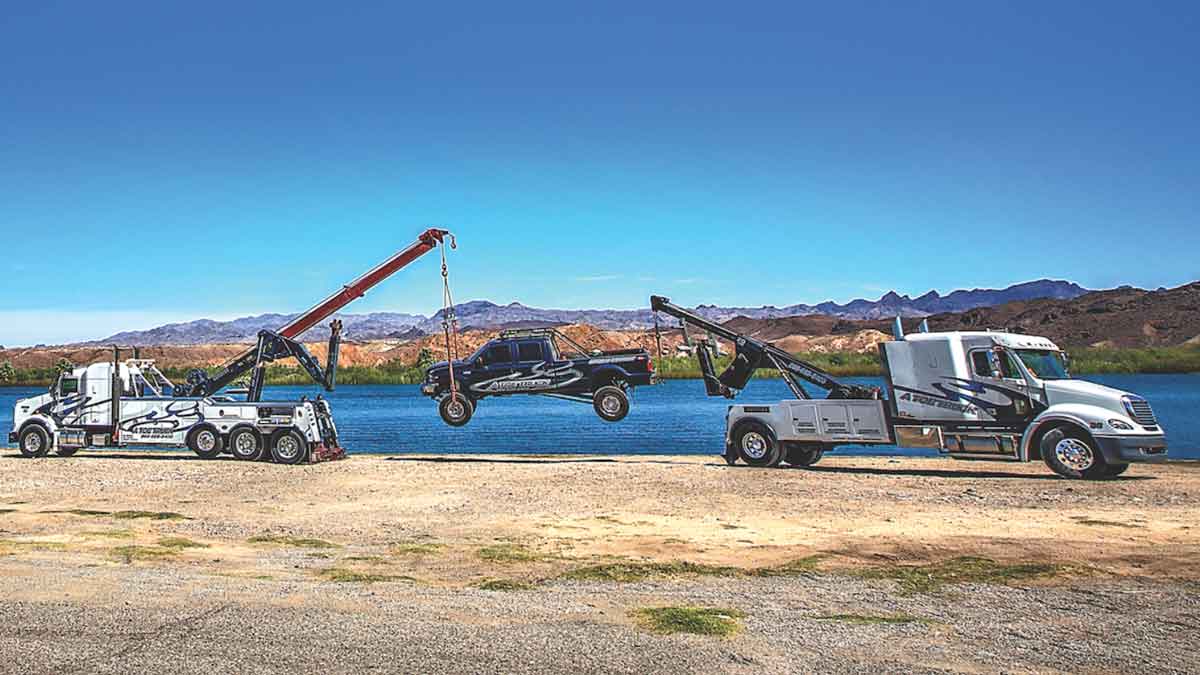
1142, 414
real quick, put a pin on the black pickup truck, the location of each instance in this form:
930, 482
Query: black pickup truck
530, 361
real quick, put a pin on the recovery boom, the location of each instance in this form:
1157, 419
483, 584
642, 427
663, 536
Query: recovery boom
284, 342
752, 354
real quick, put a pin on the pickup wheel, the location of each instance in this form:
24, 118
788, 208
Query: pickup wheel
611, 403
205, 442
801, 454
1071, 454
456, 409
34, 441
246, 444
756, 445
289, 447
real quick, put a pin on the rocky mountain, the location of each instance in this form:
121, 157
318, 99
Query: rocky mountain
484, 314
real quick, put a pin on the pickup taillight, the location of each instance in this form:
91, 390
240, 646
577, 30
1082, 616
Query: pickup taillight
649, 365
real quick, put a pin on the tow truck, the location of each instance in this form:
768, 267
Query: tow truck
124, 402
970, 395
540, 361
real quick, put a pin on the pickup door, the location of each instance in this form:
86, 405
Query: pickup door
493, 369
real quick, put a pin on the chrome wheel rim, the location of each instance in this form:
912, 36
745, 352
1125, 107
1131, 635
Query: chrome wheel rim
33, 443
456, 409
611, 405
1074, 454
287, 447
754, 445
245, 444
206, 441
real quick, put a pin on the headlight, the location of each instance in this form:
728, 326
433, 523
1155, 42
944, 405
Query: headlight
1120, 425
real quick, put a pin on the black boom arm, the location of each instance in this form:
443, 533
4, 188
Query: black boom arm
750, 355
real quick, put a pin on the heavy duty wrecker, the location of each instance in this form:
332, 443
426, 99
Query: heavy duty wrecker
130, 402
984, 395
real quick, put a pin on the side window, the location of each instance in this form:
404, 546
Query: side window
497, 354
529, 351
980, 363
68, 386
1009, 367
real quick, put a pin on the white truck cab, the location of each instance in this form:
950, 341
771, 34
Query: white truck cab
131, 403
970, 395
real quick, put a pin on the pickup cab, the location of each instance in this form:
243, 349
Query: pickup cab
540, 361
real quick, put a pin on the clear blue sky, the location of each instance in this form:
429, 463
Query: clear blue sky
164, 161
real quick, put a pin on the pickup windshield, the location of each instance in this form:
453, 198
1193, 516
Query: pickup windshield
1046, 364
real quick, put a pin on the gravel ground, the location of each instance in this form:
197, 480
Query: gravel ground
75, 598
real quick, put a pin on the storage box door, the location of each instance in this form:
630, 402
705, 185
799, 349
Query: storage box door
866, 419
834, 419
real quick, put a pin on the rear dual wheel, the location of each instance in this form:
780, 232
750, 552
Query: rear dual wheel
246, 444
289, 447
205, 442
803, 454
756, 445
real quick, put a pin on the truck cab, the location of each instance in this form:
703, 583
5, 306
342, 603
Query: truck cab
997, 393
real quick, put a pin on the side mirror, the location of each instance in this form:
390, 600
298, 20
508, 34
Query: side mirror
994, 363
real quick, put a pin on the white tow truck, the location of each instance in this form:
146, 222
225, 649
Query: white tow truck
121, 403
131, 403
974, 395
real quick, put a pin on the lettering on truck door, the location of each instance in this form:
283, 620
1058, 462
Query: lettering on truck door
998, 385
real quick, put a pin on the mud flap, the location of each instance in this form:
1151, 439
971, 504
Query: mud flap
324, 453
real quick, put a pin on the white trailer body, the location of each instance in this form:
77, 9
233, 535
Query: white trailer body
969, 395
81, 411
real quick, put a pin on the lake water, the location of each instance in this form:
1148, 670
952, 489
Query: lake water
672, 418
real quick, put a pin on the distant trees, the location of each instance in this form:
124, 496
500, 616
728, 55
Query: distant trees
425, 358
7, 372
63, 366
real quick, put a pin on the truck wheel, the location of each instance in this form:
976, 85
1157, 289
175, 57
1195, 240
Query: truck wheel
800, 454
66, 452
756, 445
456, 409
1114, 470
34, 441
245, 444
289, 447
205, 442
1071, 454
611, 403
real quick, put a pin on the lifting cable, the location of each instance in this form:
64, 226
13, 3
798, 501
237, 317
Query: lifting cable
449, 318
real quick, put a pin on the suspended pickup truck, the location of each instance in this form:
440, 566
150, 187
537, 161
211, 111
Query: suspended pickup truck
973, 395
538, 361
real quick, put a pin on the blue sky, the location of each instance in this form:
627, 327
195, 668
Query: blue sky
163, 161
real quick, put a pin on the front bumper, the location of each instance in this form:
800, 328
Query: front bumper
429, 389
1130, 449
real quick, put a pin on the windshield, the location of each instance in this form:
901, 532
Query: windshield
1044, 363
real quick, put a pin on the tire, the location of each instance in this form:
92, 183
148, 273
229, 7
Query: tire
66, 452
611, 403
246, 444
803, 454
34, 441
456, 409
1114, 470
1071, 454
289, 447
756, 445
205, 442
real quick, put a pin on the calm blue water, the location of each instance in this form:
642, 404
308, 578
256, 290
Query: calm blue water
672, 418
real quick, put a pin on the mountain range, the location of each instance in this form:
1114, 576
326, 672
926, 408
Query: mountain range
485, 314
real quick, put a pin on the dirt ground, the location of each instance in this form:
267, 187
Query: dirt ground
127, 562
